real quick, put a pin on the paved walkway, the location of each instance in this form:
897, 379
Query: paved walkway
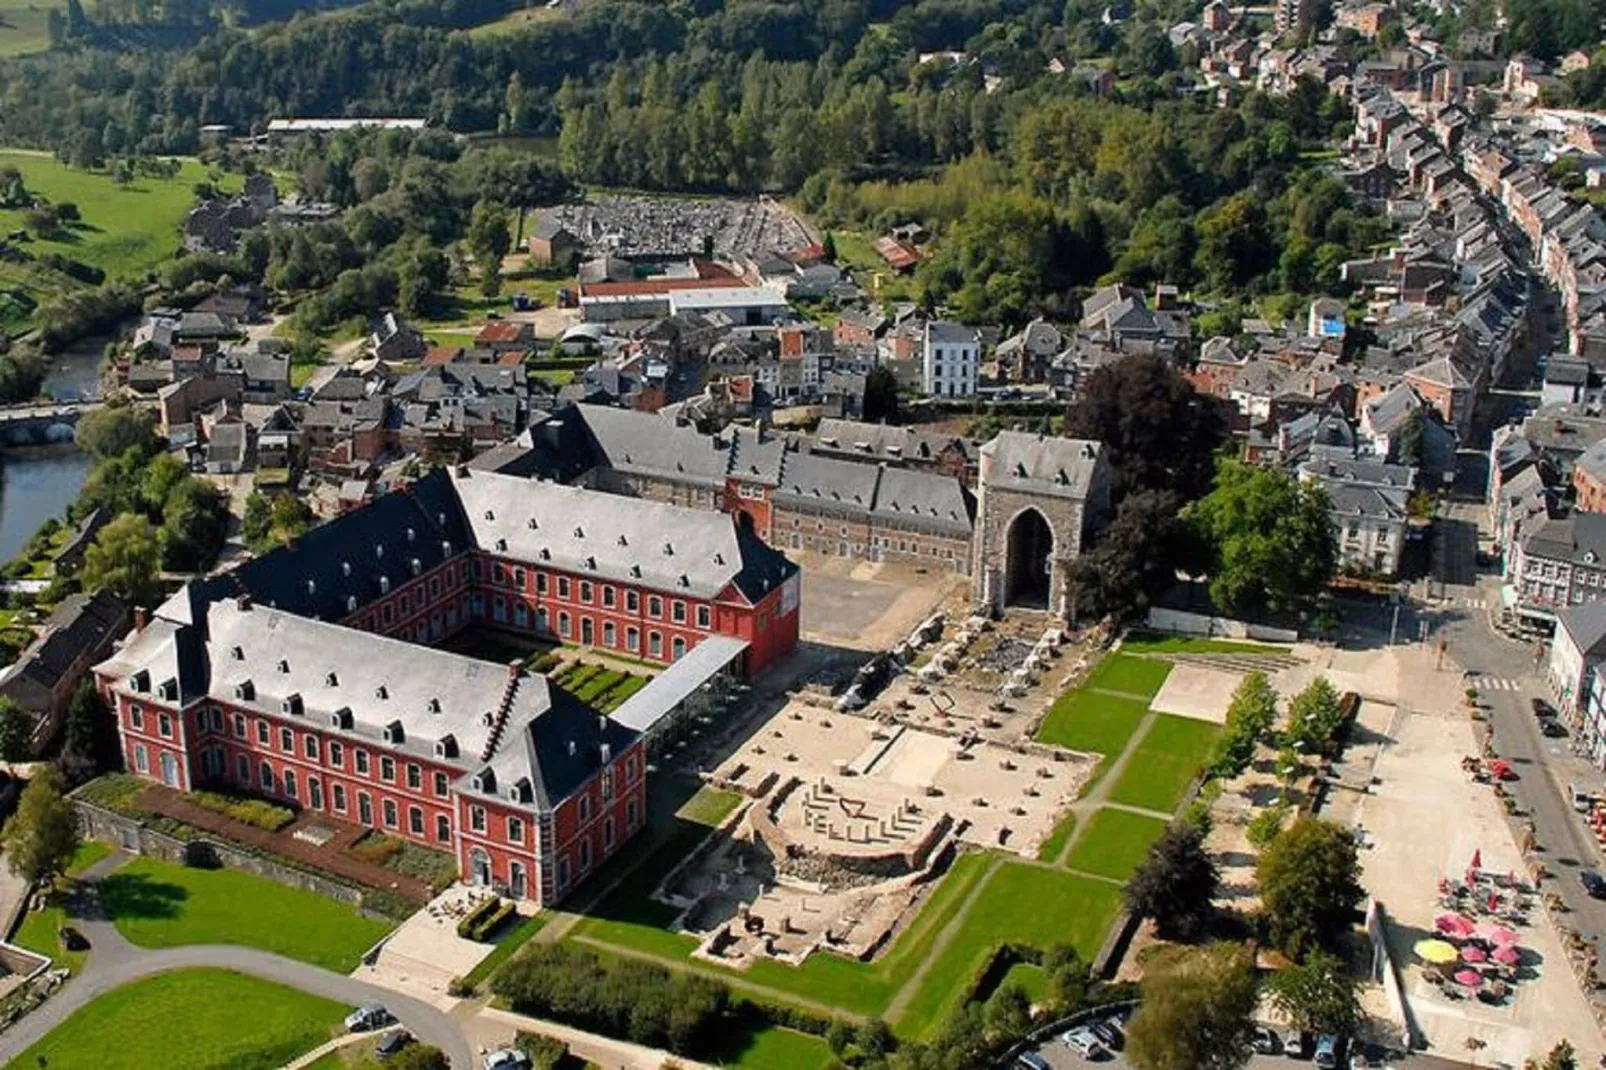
114, 962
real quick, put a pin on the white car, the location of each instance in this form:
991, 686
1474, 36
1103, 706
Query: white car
1081, 1039
368, 1016
507, 1059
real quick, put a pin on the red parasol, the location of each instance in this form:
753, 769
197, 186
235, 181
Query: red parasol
1454, 925
1507, 955
1494, 902
1498, 934
1469, 977
1477, 860
1473, 953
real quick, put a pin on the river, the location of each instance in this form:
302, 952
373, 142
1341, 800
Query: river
36, 485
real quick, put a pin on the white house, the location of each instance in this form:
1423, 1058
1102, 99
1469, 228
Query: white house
1580, 645
951, 359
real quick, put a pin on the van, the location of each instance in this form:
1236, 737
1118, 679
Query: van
1326, 1051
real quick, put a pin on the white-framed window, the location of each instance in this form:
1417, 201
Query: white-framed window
164, 725
337, 793
360, 758
441, 784
262, 732
239, 726
337, 754
242, 769
515, 830
142, 760
585, 808
415, 776
415, 820
265, 776
678, 612
387, 769
136, 716
309, 746
287, 741
476, 818
704, 617
389, 808
443, 828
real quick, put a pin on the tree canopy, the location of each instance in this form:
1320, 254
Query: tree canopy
42, 835
1310, 885
1176, 883
1197, 1009
1318, 995
125, 558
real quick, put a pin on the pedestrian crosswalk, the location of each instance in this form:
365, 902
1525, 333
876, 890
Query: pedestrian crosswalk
1464, 601
1494, 683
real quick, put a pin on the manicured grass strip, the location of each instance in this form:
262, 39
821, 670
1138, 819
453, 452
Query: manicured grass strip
89, 852
1114, 843
783, 1049
709, 806
1154, 643
189, 1020
1098, 724
1022, 904
1030, 977
511, 941
1129, 673
157, 904
1167, 758
1051, 848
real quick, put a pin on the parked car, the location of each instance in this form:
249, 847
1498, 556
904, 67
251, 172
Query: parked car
1108, 1030
1552, 728
1294, 1044
1542, 709
1327, 1051
507, 1059
1081, 1039
1580, 800
1264, 1041
392, 1043
1593, 883
368, 1016
1030, 1060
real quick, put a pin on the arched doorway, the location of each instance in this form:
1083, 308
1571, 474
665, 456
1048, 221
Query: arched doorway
480, 865
1029, 563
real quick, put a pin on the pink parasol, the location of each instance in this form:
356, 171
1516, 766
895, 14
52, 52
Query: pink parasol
1498, 934
1470, 978
1477, 859
1454, 925
1507, 955
1473, 953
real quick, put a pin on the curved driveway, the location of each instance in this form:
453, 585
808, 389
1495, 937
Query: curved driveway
114, 962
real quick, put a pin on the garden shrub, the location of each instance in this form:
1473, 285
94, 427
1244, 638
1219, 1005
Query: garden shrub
257, 813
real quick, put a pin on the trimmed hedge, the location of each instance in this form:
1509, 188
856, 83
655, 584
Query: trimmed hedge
473, 918
485, 927
254, 812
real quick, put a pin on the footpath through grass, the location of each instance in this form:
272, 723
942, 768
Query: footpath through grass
1167, 758
189, 1020
40, 930
1099, 724
157, 904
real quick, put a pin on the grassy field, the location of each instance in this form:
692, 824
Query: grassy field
157, 904
1114, 843
1051, 848
1129, 674
510, 941
40, 930
1099, 724
600, 687
783, 1049
1154, 643
189, 1020
1166, 759
855, 254
126, 231
24, 26
1022, 904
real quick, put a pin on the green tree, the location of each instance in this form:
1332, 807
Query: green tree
1176, 883
1197, 1010
1133, 560
91, 745
16, 731
1250, 716
1314, 715
1318, 995
828, 247
1310, 885
1268, 538
881, 396
115, 428
42, 835
125, 558
489, 240
195, 521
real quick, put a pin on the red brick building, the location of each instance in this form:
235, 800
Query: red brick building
296, 676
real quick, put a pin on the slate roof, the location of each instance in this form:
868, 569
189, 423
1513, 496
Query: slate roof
82, 622
1586, 625
633, 442
1039, 464
1579, 538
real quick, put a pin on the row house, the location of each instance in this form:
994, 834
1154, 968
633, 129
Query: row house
1560, 562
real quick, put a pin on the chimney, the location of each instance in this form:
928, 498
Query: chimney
514, 670
142, 617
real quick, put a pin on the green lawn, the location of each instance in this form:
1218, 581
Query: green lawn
1114, 843
1154, 643
1022, 904
40, 930
189, 1020
1165, 761
1030, 977
1051, 848
24, 26
783, 1049
856, 254
157, 904
1098, 724
1133, 675
126, 231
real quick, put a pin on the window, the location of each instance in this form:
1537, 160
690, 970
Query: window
361, 758
142, 761
630, 815
387, 769
678, 648
287, 741
632, 639
585, 853
655, 607
239, 726
563, 587
497, 575
242, 769
515, 830
540, 583
632, 601
607, 834
415, 776
678, 611
337, 754
262, 733
476, 818
415, 821
365, 809
585, 808
265, 776
586, 591
607, 596
290, 783
389, 806
563, 625
655, 645
136, 716
703, 617
443, 828
338, 794
518, 578
440, 785
610, 636
164, 725
310, 746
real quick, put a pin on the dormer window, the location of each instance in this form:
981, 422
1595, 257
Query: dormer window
237, 653
345, 568
485, 781
546, 555
379, 549
533, 524
446, 548
669, 549
245, 690
381, 692
490, 515
331, 680
169, 690
434, 705
446, 747
719, 559
418, 566
635, 571
501, 545
384, 585
312, 586
284, 666
623, 541
393, 733
351, 603
140, 681
291, 705
683, 581
410, 534
341, 718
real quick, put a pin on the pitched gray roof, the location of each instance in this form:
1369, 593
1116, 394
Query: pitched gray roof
1064, 467
1586, 624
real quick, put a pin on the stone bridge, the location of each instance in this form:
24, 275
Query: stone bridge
41, 424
